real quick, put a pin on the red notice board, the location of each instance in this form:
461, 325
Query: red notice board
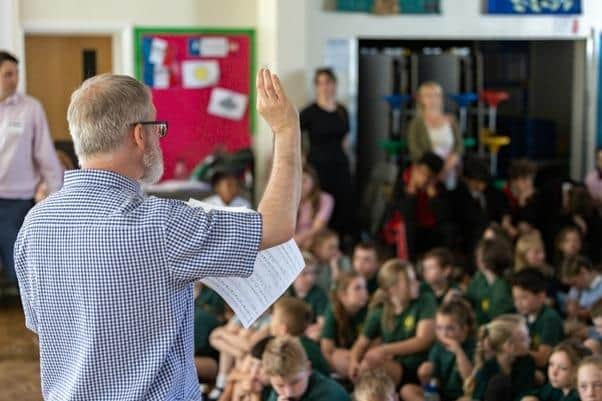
202, 81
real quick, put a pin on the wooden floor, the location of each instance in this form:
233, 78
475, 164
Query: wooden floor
19, 361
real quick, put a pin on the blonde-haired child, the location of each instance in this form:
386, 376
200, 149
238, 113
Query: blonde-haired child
402, 318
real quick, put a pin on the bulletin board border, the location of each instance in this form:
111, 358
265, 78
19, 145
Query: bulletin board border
140, 32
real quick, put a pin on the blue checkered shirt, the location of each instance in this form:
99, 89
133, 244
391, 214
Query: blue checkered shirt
106, 282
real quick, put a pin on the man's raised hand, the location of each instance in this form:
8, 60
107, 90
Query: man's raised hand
273, 104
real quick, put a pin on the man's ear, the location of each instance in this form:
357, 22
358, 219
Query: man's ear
138, 136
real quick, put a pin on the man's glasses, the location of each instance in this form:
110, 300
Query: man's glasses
161, 125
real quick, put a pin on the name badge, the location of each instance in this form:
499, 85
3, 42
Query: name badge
15, 127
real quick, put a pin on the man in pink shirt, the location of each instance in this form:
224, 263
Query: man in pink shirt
27, 157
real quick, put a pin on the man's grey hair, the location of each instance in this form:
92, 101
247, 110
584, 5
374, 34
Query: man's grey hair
102, 110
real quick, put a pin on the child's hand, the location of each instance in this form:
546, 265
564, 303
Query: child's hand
425, 372
354, 370
412, 186
314, 331
334, 265
452, 293
451, 345
431, 189
376, 354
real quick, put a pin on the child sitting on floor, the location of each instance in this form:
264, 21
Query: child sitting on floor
344, 320
374, 385
589, 379
562, 373
306, 289
488, 291
544, 323
450, 359
290, 316
291, 376
399, 329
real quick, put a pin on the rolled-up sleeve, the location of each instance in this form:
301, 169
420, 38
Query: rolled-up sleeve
211, 244
26, 285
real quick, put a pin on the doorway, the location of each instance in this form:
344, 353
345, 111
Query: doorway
57, 65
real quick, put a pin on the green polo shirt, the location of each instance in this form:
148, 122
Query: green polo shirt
315, 356
489, 300
319, 388
204, 323
355, 324
446, 369
549, 393
546, 329
440, 298
404, 327
522, 377
316, 298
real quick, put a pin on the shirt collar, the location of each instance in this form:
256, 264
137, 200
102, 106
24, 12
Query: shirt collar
100, 178
531, 318
12, 99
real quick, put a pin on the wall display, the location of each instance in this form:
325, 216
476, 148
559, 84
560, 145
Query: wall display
202, 82
386, 7
533, 7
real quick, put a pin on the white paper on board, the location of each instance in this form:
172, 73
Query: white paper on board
199, 73
158, 51
274, 271
214, 47
227, 104
160, 77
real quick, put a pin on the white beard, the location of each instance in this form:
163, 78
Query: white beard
153, 165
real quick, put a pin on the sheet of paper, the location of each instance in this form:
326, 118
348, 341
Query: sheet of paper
227, 104
209, 46
157, 52
214, 47
161, 77
199, 74
275, 270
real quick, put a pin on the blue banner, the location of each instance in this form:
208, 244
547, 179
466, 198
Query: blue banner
534, 7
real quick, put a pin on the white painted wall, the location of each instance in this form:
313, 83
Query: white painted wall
281, 29
222, 13
9, 22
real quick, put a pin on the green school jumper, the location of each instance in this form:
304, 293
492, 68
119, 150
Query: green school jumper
355, 323
404, 327
319, 388
489, 300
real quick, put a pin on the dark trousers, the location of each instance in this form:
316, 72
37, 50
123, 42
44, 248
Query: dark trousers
12, 214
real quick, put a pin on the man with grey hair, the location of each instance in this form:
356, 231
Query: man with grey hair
106, 273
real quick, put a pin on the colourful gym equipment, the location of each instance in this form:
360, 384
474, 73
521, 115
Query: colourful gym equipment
488, 135
463, 100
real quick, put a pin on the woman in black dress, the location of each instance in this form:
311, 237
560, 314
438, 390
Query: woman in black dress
327, 123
